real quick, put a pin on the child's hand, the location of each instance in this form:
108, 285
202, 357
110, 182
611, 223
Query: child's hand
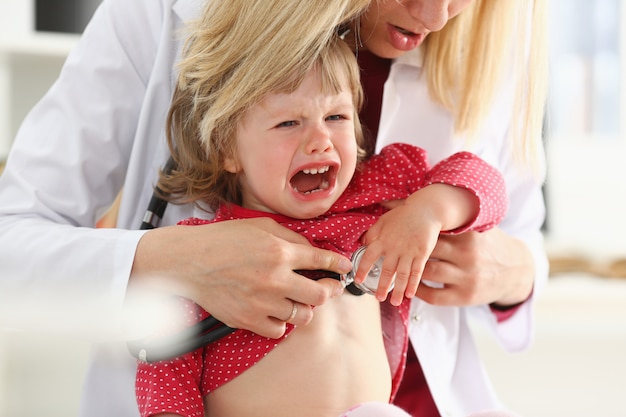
405, 237
407, 234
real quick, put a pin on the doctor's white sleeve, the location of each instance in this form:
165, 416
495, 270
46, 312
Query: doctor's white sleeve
523, 221
68, 162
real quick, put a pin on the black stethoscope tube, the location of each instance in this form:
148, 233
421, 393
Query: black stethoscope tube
194, 337
157, 205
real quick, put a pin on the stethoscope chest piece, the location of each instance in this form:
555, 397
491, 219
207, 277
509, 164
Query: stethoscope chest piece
370, 285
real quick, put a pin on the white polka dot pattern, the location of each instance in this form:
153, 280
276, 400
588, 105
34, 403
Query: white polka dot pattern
178, 386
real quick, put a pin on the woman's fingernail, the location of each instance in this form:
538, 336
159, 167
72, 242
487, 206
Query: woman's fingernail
345, 265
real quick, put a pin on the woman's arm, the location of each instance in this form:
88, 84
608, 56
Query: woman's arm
69, 161
100, 129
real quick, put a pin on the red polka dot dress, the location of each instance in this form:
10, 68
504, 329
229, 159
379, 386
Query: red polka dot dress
178, 386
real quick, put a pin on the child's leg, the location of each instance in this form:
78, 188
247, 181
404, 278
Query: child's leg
376, 409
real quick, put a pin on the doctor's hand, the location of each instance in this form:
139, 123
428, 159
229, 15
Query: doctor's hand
241, 271
478, 268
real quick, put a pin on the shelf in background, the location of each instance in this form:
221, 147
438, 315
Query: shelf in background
40, 44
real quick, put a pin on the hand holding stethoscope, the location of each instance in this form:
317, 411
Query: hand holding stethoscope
152, 349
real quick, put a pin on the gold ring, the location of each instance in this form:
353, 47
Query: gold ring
294, 311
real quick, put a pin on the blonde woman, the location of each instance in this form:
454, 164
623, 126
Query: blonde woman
461, 74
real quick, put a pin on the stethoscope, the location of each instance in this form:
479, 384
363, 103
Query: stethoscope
210, 329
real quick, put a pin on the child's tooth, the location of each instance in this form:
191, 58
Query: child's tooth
314, 171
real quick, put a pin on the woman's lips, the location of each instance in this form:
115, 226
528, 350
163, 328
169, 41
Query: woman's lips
402, 39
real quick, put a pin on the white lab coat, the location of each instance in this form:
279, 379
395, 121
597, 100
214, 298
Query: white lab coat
100, 128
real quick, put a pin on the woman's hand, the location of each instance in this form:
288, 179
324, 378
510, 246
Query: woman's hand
478, 268
241, 271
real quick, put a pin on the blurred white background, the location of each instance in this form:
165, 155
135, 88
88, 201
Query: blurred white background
577, 366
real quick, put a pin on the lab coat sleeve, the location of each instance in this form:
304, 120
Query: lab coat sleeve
523, 221
67, 164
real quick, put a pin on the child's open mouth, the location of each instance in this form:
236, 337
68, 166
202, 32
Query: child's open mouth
313, 180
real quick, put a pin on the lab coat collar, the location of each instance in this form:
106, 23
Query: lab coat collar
188, 9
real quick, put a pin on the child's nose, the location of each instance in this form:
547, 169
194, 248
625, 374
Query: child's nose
318, 140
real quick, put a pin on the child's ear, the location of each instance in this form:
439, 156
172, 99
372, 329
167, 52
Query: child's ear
231, 165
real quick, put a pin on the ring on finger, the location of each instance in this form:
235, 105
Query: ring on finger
294, 312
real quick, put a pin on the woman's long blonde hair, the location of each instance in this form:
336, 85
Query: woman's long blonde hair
468, 59
236, 54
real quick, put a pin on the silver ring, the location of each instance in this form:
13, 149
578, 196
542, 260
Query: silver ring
294, 311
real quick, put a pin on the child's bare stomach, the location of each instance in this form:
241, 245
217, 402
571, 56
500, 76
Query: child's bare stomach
319, 370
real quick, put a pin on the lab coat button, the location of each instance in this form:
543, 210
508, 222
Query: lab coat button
416, 318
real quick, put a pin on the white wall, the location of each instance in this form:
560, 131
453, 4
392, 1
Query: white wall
15, 21
29, 63
586, 198
16, 17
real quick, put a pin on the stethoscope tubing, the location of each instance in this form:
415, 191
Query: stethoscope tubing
157, 205
191, 338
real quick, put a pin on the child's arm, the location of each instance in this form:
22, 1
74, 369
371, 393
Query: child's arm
458, 194
406, 235
455, 207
